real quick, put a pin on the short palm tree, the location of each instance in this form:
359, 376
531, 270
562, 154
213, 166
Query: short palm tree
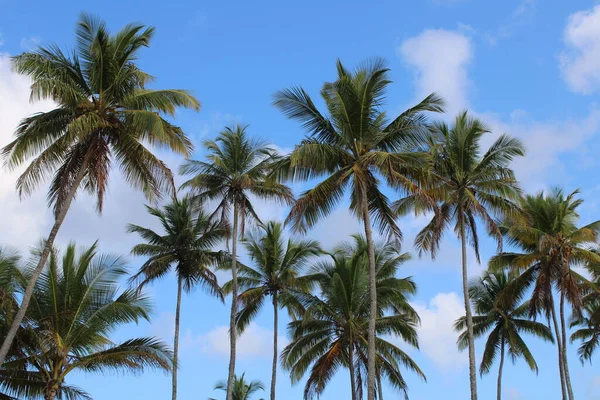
333, 331
105, 115
355, 146
499, 315
551, 244
237, 168
242, 390
186, 245
75, 308
588, 331
470, 185
276, 276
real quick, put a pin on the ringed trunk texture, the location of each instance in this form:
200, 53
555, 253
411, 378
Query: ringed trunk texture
275, 353
352, 372
563, 386
60, 217
500, 369
371, 372
234, 300
470, 334
564, 348
176, 338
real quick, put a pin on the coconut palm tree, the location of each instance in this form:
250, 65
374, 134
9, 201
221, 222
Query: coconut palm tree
470, 185
75, 308
501, 316
186, 246
242, 390
333, 331
354, 146
237, 168
105, 115
588, 331
551, 244
276, 276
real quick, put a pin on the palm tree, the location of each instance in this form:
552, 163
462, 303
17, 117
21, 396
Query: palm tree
278, 265
333, 331
551, 244
470, 185
105, 114
237, 167
354, 146
496, 298
75, 308
588, 332
187, 246
242, 390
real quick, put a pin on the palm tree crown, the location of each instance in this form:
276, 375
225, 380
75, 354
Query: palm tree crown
242, 390
75, 308
332, 333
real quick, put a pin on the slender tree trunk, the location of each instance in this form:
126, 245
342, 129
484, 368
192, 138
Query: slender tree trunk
379, 387
470, 334
563, 385
351, 368
500, 369
371, 372
176, 338
234, 301
275, 352
564, 348
60, 217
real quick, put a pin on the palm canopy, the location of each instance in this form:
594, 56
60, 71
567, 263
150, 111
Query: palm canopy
186, 244
75, 308
237, 168
278, 264
588, 330
354, 146
334, 326
104, 113
242, 390
503, 317
551, 243
470, 184
10, 263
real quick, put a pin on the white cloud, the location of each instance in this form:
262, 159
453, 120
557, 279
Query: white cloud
580, 61
256, 341
30, 43
520, 15
513, 394
437, 338
440, 59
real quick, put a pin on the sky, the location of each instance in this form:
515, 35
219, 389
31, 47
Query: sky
530, 68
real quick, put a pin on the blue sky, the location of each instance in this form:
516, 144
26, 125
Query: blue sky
527, 67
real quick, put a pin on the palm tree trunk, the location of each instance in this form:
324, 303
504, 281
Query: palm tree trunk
470, 334
351, 368
234, 301
379, 387
500, 369
563, 385
275, 326
58, 221
371, 386
564, 348
176, 338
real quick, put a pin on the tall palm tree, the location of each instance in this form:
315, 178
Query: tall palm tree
551, 244
242, 390
354, 146
470, 185
588, 331
75, 308
105, 114
187, 246
276, 275
499, 315
333, 331
237, 168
